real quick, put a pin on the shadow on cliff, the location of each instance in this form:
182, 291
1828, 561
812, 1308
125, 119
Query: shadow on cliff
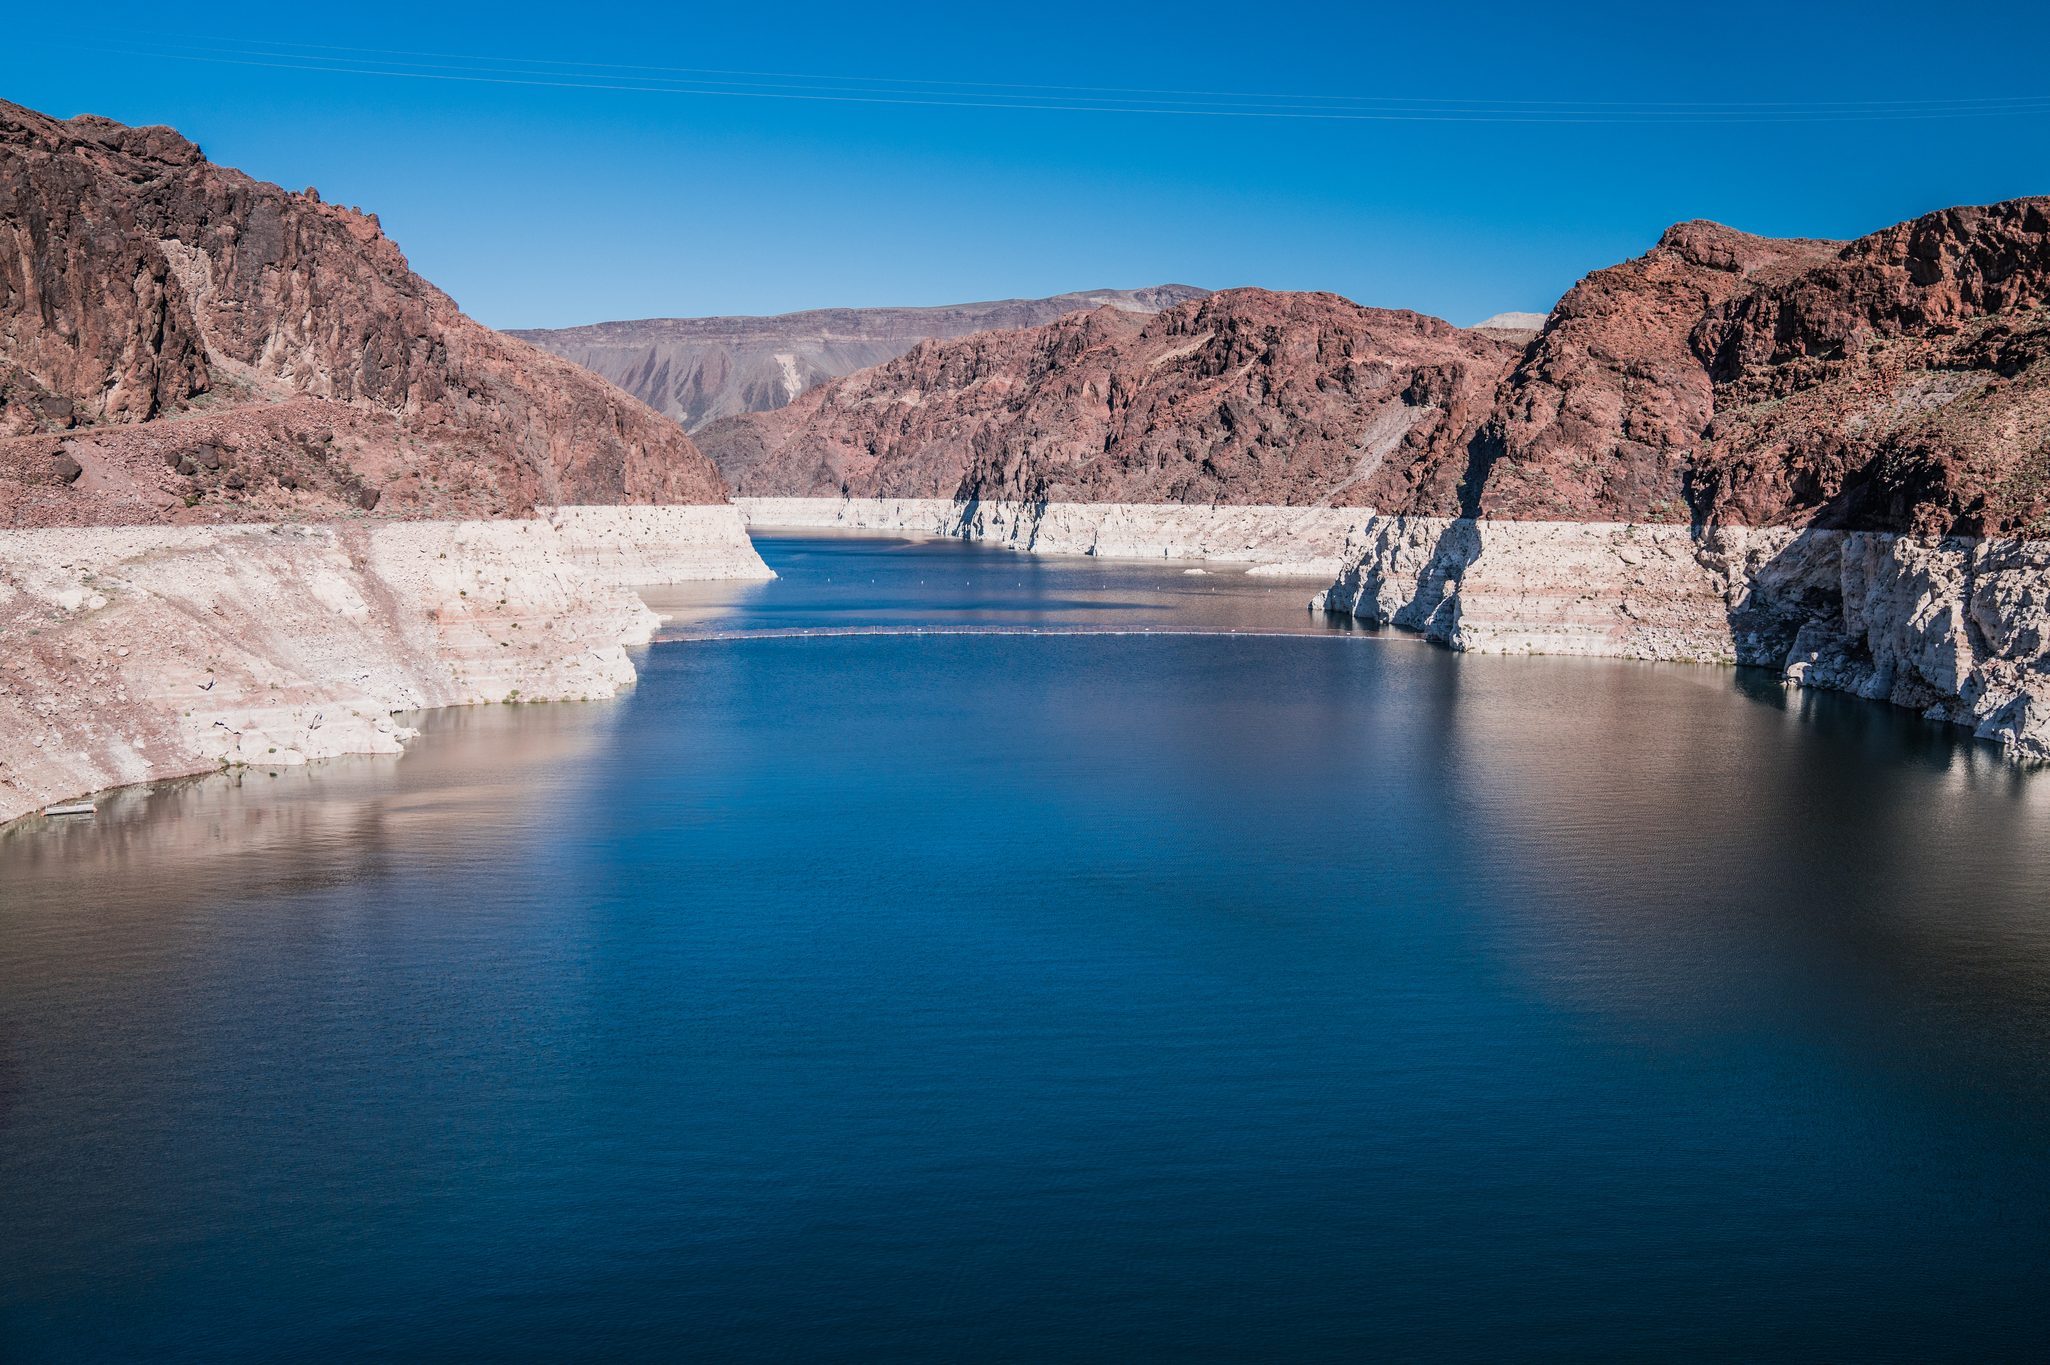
1434, 608
1788, 609
1935, 620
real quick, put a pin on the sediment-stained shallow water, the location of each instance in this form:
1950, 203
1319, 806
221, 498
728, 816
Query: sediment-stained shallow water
1045, 996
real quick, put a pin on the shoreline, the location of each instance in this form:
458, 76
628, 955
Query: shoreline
1287, 542
141, 653
1954, 628
185, 651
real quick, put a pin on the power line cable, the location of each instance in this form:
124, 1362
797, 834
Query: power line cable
1675, 115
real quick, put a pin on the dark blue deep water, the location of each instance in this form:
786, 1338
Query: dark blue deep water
944, 996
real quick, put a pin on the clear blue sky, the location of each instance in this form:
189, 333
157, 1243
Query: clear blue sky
1540, 141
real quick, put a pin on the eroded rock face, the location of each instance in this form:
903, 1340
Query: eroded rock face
138, 281
180, 344
698, 370
1301, 542
1904, 384
1246, 397
1898, 382
143, 653
1601, 419
138, 653
1955, 628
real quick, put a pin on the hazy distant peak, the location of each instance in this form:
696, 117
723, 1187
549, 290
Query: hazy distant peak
700, 369
1511, 322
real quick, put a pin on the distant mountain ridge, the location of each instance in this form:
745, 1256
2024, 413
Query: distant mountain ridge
1896, 383
1247, 396
698, 370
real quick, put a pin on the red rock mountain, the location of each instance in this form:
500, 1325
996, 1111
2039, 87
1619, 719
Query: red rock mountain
1246, 396
698, 370
179, 342
1602, 418
1904, 384
1897, 382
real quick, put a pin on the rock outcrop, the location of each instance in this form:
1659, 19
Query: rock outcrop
1602, 416
140, 653
698, 370
311, 371
1831, 460
1301, 542
1246, 397
1898, 382
1952, 627
1902, 385
244, 454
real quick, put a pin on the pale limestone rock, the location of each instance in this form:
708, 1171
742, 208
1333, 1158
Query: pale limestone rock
280, 644
1952, 628
651, 545
1302, 541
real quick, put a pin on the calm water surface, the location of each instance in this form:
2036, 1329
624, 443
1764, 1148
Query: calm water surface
877, 981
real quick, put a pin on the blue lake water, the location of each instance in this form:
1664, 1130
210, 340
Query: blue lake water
951, 955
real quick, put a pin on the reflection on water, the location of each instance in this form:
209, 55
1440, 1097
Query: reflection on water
1058, 997
277, 830
874, 584
1734, 846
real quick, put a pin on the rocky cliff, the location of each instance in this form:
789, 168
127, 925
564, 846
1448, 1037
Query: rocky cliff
139, 653
1897, 382
1828, 459
698, 370
244, 451
1245, 397
180, 343
1951, 627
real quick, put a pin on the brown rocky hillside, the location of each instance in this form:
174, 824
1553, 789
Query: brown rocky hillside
698, 370
1897, 382
1247, 396
180, 342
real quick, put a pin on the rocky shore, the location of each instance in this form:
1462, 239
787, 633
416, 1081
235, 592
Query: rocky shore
143, 653
1828, 458
1307, 542
1951, 627
262, 486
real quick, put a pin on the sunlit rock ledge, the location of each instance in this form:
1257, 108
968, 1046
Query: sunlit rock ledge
1954, 628
135, 654
1297, 541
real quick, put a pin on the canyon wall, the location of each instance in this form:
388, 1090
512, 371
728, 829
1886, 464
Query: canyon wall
1830, 459
261, 485
140, 653
1247, 397
699, 370
1825, 457
1956, 628
1306, 542
309, 370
